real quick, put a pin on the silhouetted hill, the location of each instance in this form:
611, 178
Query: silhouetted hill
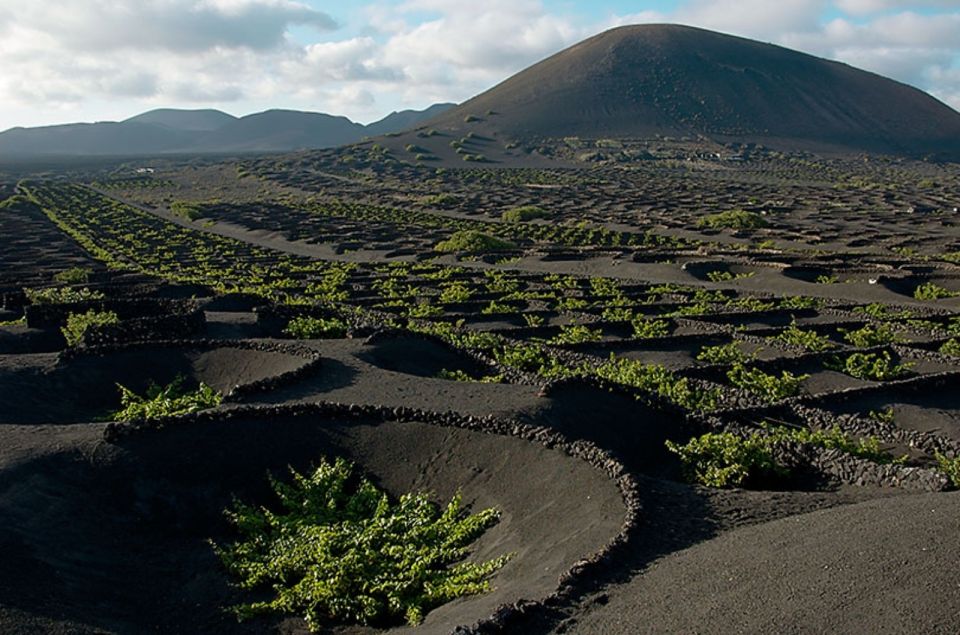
168, 130
202, 120
642, 81
279, 130
405, 119
101, 138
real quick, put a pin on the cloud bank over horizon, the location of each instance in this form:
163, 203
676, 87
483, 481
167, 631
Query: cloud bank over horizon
109, 59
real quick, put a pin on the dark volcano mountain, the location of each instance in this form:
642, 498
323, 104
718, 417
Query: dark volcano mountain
641, 81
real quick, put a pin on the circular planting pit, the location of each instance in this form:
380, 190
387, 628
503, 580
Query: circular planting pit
115, 536
82, 386
909, 285
422, 356
718, 271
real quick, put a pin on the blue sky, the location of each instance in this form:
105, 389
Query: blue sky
88, 60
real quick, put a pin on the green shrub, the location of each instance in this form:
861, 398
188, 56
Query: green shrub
618, 314
727, 276
454, 375
768, 387
724, 459
729, 353
73, 275
337, 548
61, 295
950, 467
455, 292
78, 324
827, 279
882, 312
733, 219
644, 328
870, 335
951, 347
473, 242
523, 213
576, 334
187, 209
801, 302
809, 340
530, 358
459, 375
870, 366
496, 308
442, 199
311, 328
932, 291
830, 439
165, 401
886, 415
656, 379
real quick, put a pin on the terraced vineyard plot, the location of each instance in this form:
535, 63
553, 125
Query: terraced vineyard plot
630, 335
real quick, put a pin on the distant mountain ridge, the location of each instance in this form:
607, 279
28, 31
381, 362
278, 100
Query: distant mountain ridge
170, 131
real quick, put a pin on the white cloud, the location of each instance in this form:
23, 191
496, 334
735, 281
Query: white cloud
867, 7
405, 54
173, 25
755, 18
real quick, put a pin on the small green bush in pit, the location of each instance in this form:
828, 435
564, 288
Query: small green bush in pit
733, 219
576, 334
442, 199
724, 459
729, 353
932, 291
951, 347
455, 292
165, 401
523, 213
801, 302
61, 295
531, 358
495, 308
459, 375
887, 415
950, 467
644, 328
78, 324
870, 366
73, 275
830, 439
825, 279
770, 388
870, 335
473, 242
337, 548
656, 379
809, 340
311, 328
187, 209
728, 276
533, 320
